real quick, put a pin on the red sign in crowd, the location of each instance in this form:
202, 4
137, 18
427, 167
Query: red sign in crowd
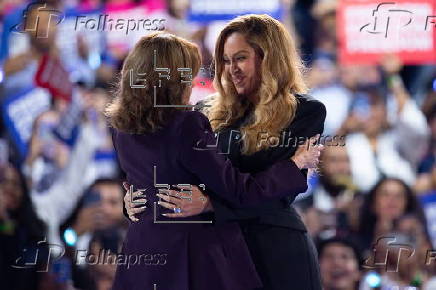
369, 29
53, 76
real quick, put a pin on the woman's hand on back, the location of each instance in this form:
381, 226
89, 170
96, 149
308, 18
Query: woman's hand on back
131, 202
185, 203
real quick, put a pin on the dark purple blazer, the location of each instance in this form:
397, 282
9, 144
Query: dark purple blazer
190, 256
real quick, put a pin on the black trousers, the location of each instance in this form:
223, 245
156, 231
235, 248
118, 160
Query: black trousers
285, 259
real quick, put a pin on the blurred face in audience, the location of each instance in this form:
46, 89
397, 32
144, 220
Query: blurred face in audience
390, 201
349, 76
355, 77
339, 267
376, 120
335, 163
111, 203
323, 72
10, 188
242, 65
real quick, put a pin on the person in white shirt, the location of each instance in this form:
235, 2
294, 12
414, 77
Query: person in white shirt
391, 151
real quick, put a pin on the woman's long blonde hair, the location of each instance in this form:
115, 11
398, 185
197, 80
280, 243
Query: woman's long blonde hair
281, 78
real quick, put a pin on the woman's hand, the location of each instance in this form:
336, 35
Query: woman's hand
307, 155
189, 203
132, 200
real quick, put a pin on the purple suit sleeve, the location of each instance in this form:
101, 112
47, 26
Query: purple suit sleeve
198, 156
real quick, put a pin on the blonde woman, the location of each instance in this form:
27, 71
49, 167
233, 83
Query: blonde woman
169, 145
261, 114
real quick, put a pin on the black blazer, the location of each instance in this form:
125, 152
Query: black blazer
308, 121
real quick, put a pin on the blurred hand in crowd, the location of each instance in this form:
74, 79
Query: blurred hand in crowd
47, 154
391, 64
89, 219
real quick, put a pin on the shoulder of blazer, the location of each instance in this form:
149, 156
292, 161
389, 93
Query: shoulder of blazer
307, 103
190, 121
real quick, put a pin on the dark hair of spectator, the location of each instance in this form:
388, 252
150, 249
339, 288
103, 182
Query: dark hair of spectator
368, 218
346, 242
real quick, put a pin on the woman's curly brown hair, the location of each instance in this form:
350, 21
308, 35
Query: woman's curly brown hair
152, 75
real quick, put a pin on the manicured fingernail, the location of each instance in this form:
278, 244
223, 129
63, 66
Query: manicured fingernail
164, 214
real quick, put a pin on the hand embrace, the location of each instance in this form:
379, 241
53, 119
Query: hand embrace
185, 204
307, 155
133, 202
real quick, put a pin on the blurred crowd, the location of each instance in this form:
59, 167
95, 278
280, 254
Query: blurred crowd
61, 194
